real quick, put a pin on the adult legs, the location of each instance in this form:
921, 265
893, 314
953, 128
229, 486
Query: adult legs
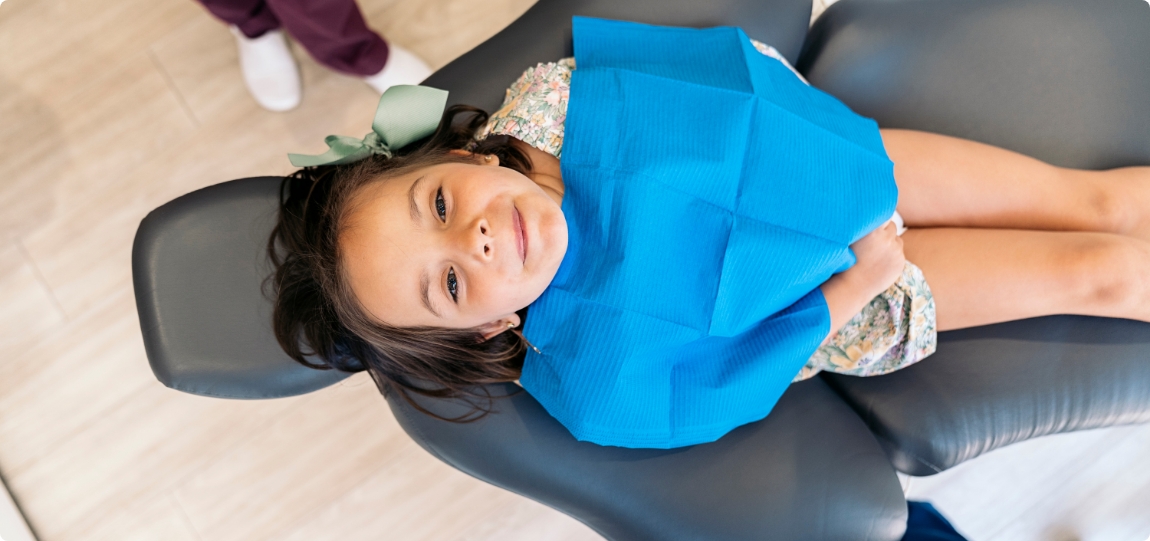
952, 182
984, 276
333, 31
252, 17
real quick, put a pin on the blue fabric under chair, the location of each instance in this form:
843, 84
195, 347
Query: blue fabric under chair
925, 523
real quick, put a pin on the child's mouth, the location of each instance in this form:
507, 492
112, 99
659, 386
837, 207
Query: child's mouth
520, 237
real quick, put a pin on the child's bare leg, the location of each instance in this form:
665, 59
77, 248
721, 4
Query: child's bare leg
983, 276
952, 182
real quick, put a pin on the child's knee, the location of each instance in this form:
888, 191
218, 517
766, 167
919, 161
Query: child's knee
1107, 271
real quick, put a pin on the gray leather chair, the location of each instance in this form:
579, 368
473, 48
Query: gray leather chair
1065, 81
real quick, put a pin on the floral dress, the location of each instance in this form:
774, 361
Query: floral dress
896, 329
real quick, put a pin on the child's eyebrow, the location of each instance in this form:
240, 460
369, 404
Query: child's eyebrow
424, 284
416, 216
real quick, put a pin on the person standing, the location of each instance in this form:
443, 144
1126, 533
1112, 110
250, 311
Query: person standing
332, 31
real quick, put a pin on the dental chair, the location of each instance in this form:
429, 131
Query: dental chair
1065, 81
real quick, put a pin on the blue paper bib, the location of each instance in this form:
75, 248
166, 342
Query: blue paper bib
708, 193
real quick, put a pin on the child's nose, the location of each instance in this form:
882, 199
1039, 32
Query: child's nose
479, 240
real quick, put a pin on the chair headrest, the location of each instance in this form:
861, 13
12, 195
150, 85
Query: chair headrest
198, 265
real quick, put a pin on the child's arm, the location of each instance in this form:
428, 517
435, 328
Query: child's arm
879, 262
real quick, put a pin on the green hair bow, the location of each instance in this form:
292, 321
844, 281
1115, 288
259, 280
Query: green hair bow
406, 113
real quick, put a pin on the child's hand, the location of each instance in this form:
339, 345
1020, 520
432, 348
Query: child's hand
880, 260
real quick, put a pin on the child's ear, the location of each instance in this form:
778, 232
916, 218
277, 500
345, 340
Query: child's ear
459, 152
495, 328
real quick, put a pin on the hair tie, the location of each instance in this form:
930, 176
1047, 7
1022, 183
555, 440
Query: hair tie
405, 114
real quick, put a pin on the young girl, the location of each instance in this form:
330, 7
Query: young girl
420, 268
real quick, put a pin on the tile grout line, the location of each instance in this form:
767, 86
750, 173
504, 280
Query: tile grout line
62, 440
63, 327
172, 87
304, 518
41, 278
170, 489
175, 486
184, 513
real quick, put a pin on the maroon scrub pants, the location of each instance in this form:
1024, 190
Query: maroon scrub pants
333, 31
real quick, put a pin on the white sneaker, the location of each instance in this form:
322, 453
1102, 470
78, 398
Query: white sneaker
270, 71
402, 68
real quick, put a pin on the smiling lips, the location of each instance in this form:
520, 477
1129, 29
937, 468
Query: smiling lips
520, 236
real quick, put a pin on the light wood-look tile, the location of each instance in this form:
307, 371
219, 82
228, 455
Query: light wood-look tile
67, 380
28, 310
152, 519
12, 7
57, 48
286, 473
201, 61
139, 450
84, 248
414, 497
270, 486
527, 520
129, 116
65, 152
441, 31
36, 154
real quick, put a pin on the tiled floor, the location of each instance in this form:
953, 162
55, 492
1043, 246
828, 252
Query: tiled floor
109, 108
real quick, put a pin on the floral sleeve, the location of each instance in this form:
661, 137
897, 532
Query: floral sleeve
896, 330
773, 53
535, 107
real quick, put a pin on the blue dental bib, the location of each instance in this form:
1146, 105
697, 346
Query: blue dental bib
708, 193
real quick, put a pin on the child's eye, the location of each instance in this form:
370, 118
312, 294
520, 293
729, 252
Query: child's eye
452, 284
440, 206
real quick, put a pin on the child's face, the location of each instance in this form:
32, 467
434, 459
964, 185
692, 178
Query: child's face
488, 234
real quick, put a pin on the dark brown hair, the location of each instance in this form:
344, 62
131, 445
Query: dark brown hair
320, 323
